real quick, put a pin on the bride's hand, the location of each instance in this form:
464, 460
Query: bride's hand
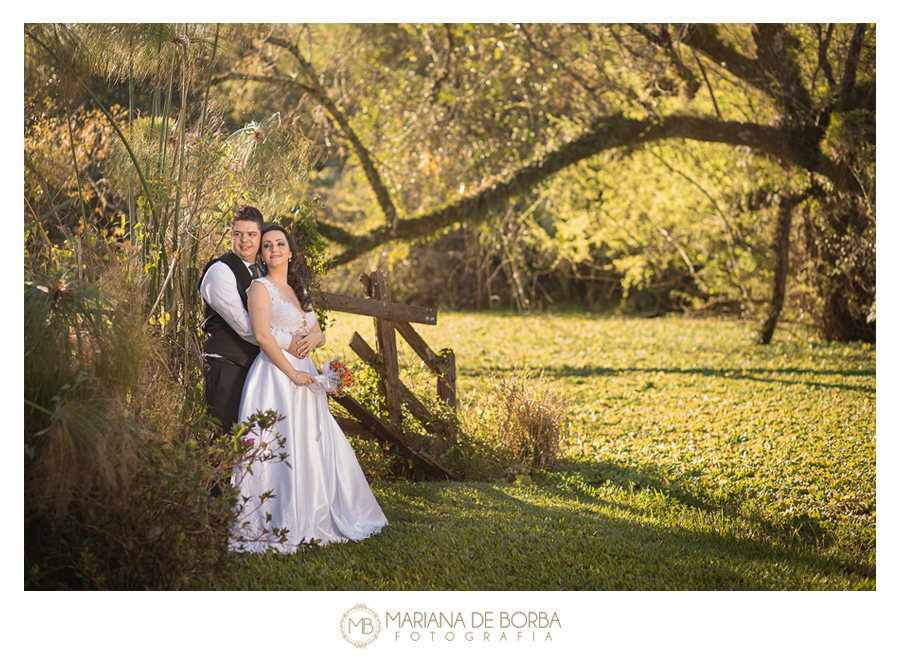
302, 378
307, 343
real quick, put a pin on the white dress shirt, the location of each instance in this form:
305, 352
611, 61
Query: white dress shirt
219, 290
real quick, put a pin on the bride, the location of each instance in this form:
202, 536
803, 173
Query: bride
319, 490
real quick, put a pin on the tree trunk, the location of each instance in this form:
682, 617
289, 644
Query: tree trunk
782, 263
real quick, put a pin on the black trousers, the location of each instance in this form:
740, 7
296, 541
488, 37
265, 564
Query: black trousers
224, 386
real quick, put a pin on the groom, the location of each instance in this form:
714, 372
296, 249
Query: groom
230, 347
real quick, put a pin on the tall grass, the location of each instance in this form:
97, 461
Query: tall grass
521, 419
93, 459
80, 371
118, 460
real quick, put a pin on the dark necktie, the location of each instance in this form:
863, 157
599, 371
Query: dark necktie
254, 271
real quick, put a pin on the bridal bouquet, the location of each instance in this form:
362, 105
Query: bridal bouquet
335, 379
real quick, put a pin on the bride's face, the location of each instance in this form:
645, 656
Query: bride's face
274, 249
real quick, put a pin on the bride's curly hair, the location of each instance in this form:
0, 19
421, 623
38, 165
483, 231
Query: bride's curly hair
300, 274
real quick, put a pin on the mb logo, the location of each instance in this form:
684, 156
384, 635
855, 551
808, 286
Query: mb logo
360, 626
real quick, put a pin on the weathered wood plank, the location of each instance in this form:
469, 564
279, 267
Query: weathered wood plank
377, 308
355, 428
352, 427
447, 380
386, 345
418, 344
363, 350
413, 404
446, 384
385, 433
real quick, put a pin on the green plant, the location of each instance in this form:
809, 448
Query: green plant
117, 483
522, 418
175, 173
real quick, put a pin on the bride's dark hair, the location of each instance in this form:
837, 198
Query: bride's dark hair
300, 274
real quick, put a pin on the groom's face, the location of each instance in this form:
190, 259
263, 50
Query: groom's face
245, 240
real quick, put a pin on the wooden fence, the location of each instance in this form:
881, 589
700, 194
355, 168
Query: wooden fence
390, 319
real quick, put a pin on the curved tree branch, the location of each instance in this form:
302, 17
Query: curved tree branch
773, 72
704, 38
611, 132
282, 80
777, 57
365, 157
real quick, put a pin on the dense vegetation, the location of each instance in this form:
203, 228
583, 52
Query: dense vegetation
663, 167
550, 170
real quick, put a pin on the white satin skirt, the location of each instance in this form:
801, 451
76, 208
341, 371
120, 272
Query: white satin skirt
319, 491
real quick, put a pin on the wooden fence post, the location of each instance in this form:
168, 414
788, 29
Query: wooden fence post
413, 405
446, 385
386, 345
390, 317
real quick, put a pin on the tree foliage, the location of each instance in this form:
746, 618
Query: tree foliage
663, 166
428, 127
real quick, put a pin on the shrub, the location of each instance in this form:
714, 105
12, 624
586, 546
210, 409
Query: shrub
521, 420
118, 469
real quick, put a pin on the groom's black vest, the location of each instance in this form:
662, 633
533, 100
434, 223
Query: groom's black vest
222, 339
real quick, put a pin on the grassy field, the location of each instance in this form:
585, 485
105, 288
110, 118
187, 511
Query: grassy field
697, 460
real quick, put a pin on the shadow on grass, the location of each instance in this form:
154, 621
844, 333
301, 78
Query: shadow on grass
636, 545
754, 374
798, 531
482, 536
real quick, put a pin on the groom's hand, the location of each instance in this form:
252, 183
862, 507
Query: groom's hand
297, 346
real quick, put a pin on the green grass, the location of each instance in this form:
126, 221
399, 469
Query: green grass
698, 460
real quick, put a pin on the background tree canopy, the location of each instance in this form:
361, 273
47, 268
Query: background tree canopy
636, 168
655, 167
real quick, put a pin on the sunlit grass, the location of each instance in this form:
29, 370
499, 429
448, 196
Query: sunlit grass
698, 460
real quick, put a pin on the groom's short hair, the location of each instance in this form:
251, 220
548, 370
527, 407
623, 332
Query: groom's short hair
248, 214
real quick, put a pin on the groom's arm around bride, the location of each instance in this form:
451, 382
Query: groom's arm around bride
230, 346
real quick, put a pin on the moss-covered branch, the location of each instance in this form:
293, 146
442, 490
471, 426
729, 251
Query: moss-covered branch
609, 133
365, 157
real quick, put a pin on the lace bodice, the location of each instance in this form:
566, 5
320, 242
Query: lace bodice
286, 316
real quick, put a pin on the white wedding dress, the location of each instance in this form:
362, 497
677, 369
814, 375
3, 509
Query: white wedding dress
319, 490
